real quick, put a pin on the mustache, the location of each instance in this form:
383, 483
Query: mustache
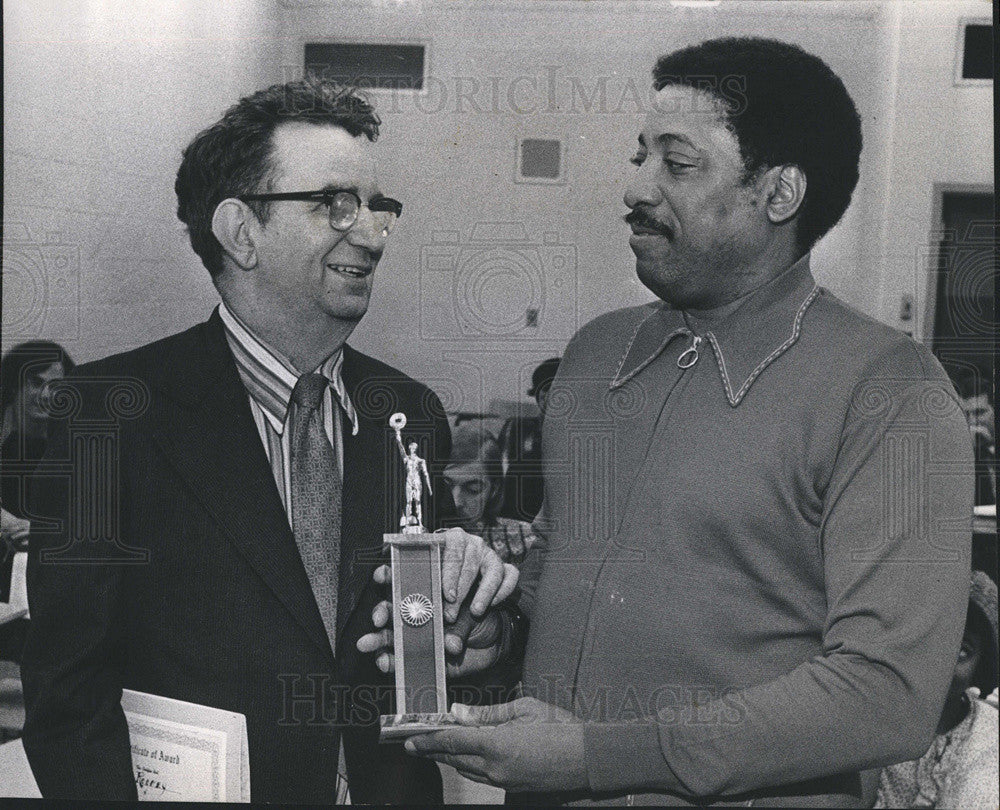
640, 218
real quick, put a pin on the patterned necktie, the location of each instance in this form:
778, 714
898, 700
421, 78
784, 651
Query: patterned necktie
315, 497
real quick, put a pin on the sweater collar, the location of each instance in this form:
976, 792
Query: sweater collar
746, 335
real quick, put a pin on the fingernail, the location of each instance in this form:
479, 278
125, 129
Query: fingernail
409, 746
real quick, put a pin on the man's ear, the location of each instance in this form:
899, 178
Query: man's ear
786, 190
231, 224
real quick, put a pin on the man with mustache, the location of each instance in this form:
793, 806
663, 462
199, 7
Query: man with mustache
230, 561
753, 556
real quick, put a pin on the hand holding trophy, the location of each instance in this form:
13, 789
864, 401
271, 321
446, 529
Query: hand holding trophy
448, 576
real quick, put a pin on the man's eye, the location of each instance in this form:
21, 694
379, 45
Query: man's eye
678, 167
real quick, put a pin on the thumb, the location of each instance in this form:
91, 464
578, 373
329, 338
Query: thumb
484, 715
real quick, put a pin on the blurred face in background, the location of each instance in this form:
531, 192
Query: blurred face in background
472, 490
29, 406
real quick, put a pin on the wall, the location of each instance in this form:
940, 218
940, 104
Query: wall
942, 135
452, 291
100, 97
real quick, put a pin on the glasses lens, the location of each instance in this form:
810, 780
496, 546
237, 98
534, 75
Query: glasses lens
384, 221
343, 210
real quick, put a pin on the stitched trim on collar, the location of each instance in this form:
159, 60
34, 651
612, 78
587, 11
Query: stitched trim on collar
620, 381
735, 399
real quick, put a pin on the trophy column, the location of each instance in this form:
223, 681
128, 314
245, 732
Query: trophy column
417, 613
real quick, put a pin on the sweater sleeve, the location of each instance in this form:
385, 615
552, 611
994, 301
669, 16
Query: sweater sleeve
896, 543
536, 545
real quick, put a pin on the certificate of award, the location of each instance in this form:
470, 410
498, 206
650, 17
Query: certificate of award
184, 752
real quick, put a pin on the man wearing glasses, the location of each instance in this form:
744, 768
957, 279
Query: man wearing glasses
248, 520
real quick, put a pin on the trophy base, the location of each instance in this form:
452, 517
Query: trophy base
395, 727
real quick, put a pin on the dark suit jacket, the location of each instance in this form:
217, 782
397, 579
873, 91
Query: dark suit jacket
162, 561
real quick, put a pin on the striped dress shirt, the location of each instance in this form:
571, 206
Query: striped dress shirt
269, 379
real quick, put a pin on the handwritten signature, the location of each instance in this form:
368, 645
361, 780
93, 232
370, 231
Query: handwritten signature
146, 781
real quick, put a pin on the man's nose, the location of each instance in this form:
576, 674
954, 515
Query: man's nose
367, 233
641, 190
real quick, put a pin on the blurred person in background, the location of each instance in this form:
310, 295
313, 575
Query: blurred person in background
521, 450
959, 769
25, 374
541, 382
977, 403
474, 477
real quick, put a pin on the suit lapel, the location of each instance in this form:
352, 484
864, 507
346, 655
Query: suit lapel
206, 430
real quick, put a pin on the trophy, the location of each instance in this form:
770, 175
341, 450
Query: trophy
417, 610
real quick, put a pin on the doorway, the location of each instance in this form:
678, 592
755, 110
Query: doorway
963, 311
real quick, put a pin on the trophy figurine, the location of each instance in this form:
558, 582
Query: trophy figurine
417, 610
412, 519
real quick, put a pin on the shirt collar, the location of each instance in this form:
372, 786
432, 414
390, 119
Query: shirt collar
746, 335
269, 376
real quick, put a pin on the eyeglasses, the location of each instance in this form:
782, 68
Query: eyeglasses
343, 206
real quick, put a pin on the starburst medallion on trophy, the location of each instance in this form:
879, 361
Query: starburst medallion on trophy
416, 609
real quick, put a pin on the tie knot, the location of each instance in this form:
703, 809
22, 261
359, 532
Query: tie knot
308, 391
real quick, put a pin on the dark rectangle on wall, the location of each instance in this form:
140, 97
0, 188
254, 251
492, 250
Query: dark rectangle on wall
384, 66
540, 158
977, 52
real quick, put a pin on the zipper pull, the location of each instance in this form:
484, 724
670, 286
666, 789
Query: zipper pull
690, 355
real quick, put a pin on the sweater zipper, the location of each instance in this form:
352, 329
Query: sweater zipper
690, 355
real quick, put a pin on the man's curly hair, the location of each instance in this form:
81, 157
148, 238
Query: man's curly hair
233, 156
784, 106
